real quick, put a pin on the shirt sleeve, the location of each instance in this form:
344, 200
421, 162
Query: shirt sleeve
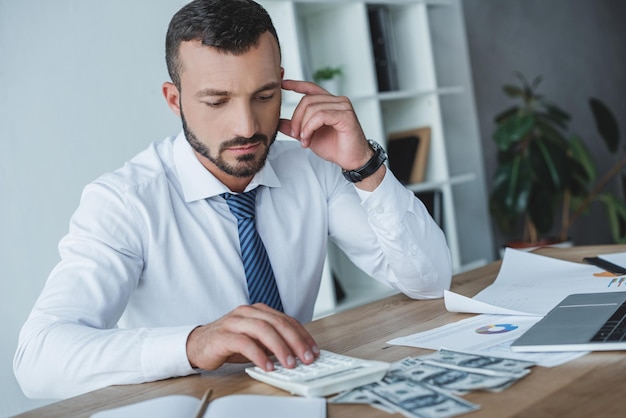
403, 246
70, 344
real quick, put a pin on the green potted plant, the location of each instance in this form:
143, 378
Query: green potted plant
544, 173
328, 78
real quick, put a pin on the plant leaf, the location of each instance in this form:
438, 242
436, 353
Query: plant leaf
512, 130
520, 186
500, 117
511, 187
555, 114
513, 91
605, 124
616, 214
505, 222
550, 132
578, 180
503, 215
580, 154
541, 209
548, 160
522, 79
536, 82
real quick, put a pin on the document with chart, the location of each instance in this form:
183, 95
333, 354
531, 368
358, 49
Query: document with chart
489, 335
532, 284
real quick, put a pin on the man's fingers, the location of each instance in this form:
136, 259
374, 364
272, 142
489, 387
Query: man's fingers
302, 87
312, 112
281, 334
284, 126
252, 332
210, 346
248, 348
300, 341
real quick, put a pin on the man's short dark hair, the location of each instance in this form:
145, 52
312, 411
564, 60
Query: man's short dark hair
232, 26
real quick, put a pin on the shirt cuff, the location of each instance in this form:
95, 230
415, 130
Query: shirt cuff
164, 353
387, 204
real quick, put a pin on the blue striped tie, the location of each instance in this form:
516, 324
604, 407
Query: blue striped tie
259, 274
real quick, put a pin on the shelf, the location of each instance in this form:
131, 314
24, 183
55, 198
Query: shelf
393, 95
427, 84
433, 185
401, 95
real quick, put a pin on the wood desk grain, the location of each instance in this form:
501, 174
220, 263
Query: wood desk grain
589, 386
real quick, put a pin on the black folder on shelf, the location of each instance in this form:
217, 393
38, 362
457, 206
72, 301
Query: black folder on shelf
433, 200
383, 47
401, 152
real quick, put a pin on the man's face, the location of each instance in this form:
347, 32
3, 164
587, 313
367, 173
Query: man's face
230, 106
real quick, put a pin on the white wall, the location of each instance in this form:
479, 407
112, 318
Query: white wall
80, 93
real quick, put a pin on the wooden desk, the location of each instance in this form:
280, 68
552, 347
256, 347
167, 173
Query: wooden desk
589, 386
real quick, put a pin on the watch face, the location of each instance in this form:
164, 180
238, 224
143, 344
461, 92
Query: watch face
374, 145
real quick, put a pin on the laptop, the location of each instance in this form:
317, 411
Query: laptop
581, 322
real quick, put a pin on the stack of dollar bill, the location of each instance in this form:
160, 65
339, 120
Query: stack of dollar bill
428, 386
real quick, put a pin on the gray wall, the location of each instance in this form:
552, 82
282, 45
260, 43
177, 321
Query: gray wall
80, 84
577, 46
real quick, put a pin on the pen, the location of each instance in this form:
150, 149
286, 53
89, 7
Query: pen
204, 403
605, 265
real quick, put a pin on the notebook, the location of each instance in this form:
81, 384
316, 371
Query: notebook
232, 406
580, 322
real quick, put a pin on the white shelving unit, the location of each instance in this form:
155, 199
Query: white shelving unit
434, 90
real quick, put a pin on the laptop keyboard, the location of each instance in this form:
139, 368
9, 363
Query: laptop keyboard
614, 329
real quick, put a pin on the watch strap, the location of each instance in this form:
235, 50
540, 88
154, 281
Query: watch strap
370, 167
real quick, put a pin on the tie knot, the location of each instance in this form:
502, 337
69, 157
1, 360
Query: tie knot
241, 205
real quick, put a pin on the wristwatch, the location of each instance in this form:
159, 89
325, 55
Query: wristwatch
370, 167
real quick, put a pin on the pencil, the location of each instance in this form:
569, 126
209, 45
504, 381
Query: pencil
204, 403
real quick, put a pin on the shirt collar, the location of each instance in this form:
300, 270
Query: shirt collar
198, 183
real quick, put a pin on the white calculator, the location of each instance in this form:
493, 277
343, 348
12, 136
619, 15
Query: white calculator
329, 373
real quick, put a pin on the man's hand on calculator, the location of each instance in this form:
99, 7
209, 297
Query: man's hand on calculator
329, 373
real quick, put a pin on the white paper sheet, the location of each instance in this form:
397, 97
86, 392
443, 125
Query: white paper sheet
459, 303
233, 406
173, 406
489, 335
533, 284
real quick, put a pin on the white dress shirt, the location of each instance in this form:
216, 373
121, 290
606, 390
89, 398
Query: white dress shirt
153, 251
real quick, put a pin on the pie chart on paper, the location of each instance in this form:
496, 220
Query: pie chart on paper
496, 329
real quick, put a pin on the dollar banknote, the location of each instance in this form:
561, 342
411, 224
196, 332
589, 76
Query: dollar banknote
496, 366
456, 381
417, 400
362, 395
427, 386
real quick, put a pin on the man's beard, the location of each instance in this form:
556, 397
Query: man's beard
247, 165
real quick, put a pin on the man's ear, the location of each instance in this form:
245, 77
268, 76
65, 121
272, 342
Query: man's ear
172, 96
